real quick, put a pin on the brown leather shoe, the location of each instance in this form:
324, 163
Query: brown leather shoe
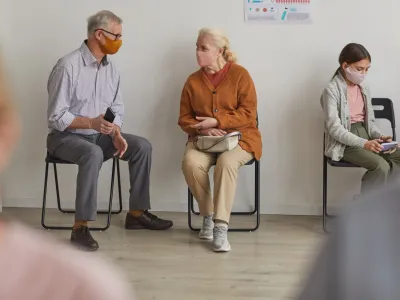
147, 221
83, 240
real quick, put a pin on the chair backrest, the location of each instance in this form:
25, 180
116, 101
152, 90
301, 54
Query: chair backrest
386, 113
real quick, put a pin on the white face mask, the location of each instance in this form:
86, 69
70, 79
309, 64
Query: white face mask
354, 76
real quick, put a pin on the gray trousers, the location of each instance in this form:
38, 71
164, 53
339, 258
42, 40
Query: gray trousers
89, 153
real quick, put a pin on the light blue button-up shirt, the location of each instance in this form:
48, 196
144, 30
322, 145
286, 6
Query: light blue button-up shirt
78, 86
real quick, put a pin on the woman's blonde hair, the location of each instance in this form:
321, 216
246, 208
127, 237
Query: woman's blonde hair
221, 41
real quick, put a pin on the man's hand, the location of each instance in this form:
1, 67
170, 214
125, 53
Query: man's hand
205, 123
213, 132
386, 139
120, 144
101, 125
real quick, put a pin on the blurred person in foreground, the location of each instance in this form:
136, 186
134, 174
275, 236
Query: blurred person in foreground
361, 258
32, 265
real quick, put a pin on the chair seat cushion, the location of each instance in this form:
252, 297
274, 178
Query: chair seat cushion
250, 162
55, 160
341, 163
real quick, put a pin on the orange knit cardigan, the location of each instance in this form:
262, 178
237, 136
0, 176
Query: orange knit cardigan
233, 103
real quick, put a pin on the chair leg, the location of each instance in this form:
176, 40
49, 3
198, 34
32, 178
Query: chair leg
118, 211
119, 190
256, 206
100, 212
65, 211
190, 198
234, 213
111, 198
324, 193
190, 210
257, 188
108, 212
256, 202
44, 196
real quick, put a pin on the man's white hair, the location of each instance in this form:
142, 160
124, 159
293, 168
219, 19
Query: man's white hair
102, 20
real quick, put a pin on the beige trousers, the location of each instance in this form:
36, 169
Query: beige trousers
195, 167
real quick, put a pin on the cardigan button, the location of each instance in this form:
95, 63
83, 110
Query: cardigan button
215, 110
214, 92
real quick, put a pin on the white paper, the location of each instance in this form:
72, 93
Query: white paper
278, 11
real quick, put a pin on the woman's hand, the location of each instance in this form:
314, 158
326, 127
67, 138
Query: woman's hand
205, 123
212, 132
374, 145
390, 151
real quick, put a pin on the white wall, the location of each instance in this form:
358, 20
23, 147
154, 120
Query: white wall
289, 64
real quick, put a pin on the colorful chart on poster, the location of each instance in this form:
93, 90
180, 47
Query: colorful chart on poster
278, 11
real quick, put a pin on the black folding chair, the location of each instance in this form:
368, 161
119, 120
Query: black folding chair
386, 113
256, 209
53, 160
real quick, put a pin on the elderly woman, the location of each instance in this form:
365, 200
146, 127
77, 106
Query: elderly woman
217, 99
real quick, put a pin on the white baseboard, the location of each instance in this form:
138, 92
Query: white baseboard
272, 209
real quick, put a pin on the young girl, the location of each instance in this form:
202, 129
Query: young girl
351, 132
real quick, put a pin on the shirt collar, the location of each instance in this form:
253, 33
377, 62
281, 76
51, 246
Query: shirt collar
88, 57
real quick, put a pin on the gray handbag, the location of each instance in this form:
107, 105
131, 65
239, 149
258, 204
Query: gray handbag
217, 144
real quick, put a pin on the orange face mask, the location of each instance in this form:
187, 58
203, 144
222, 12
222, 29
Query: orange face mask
110, 46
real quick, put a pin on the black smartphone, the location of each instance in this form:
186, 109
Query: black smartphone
109, 116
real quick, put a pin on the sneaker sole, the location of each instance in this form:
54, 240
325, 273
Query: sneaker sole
221, 250
208, 238
224, 248
82, 248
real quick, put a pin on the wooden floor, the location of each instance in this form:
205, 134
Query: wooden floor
267, 264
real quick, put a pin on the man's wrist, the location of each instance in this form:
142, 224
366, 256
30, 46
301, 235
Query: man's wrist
90, 122
116, 132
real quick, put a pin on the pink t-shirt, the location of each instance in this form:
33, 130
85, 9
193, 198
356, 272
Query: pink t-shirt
36, 268
356, 104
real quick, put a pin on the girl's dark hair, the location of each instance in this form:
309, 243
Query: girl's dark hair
352, 53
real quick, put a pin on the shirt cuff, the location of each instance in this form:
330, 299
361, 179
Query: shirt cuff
361, 142
65, 121
118, 121
376, 135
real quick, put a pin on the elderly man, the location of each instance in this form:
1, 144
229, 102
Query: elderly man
24, 253
81, 86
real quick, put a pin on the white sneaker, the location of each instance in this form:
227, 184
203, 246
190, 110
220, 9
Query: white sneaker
206, 232
220, 242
